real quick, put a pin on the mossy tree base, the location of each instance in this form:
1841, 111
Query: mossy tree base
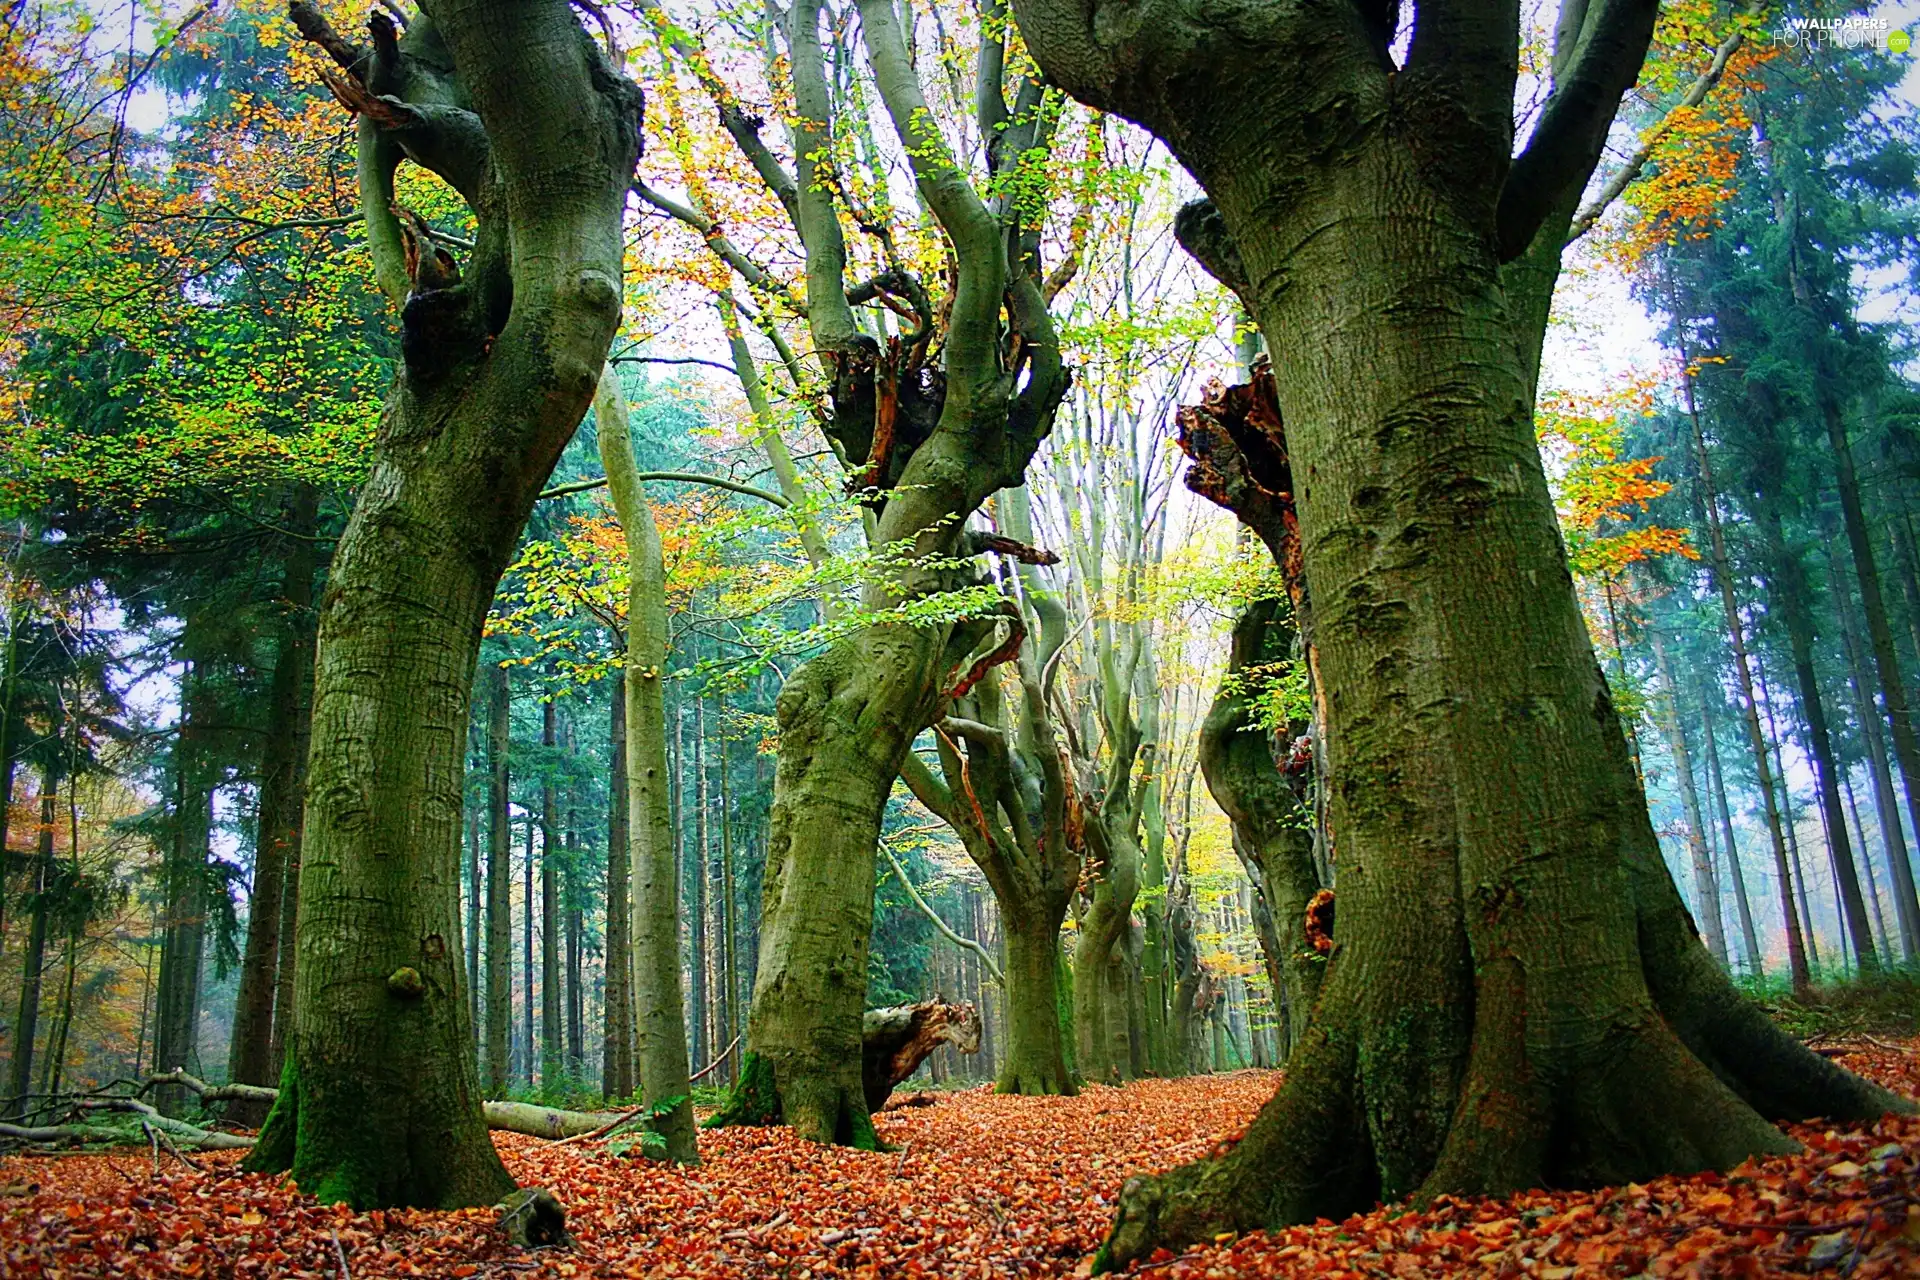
820, 1112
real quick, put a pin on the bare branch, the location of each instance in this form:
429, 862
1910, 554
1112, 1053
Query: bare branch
1696, 93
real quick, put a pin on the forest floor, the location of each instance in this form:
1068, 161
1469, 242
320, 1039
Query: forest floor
977, 1185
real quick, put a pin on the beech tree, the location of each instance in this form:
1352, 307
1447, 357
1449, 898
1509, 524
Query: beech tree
520, 112
1517, 995
930, 432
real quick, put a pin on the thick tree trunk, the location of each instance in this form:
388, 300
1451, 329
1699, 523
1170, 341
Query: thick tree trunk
499, 1037
845, 720
1516, 995
380, 1099
660, 1020
1706, 889
282, 787
1033, 1064
616, 1071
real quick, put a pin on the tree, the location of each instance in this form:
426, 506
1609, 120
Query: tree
659, 1022
931, 440
1516, 995
518, 110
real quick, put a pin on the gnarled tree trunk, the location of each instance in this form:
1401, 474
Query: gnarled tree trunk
519, 111
1516, 995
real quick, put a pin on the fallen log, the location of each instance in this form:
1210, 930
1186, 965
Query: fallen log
897, 1040
547, 1122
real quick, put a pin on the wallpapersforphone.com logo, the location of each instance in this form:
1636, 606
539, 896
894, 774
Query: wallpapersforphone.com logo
1822, 35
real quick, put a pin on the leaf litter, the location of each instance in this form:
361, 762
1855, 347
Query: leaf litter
977, 1185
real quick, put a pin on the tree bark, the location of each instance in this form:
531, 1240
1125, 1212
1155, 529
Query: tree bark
847, 718
518, 110
895, 1041
277, 831
696, 867
660, 1021
1516, 995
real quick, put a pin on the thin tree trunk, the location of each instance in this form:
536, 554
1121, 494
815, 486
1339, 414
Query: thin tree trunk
529, 975
1743, 667
576, 929
552, 978
499, 1056
1873, 884
1749, 935
1906, 900
661, 1027
1706, 889
34, 960
697, 869
185, 891
1790, 823
1893, 690
729, 935
616, 1072
282, 787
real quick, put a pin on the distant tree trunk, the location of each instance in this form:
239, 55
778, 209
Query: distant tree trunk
476, 915
1706, 889
1743, 906
529, 975
1789, 588
1866, 864
1788, 821
616, 1071
1886, 805
277, 831
576, 928
1272, 835
698, 966
184, 891
1893, 690
552, 979
1797, 969
728, 935
499, 1056
661, 1025
520, 112
34, 961
9, 686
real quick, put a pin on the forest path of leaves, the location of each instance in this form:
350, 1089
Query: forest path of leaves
977, 1186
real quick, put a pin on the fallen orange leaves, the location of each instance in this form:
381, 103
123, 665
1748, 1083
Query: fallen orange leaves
977, 1186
